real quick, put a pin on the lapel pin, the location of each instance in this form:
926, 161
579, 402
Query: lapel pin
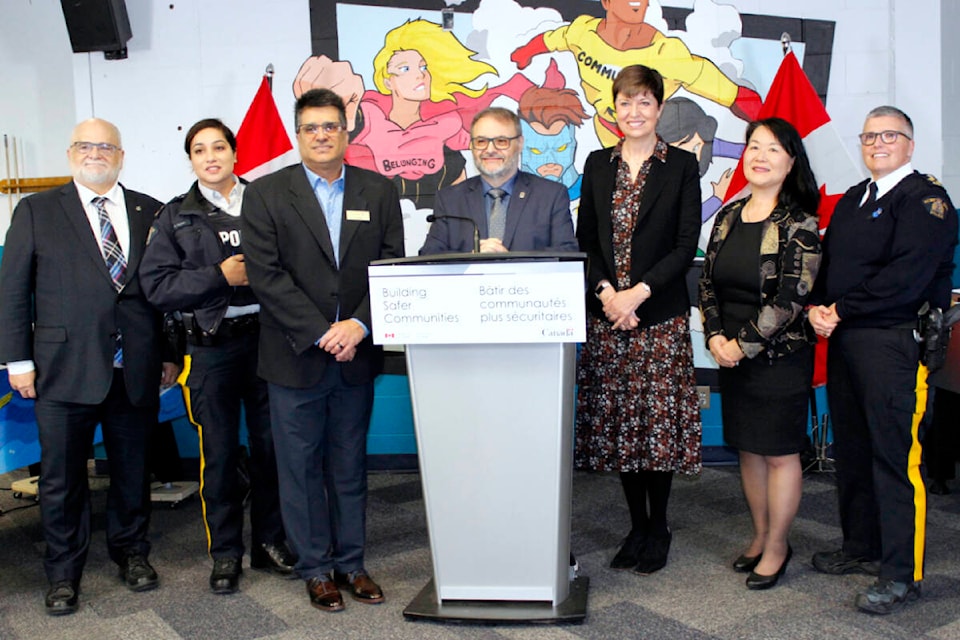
523, 194
138, 208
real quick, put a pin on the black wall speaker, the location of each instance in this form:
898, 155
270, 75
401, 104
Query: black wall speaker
97, 25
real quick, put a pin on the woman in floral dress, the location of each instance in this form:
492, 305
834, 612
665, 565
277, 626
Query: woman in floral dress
637, 410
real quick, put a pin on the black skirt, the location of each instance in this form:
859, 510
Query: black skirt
765, 404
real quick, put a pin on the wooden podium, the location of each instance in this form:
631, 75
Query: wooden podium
491, 356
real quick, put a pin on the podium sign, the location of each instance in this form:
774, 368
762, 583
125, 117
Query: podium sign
491, 361
477, 303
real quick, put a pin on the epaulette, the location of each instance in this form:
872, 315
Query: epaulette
933, 180
177, 200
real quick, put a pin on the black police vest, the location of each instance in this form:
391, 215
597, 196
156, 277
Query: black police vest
227, 228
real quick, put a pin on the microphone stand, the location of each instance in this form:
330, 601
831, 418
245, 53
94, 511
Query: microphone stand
476, 228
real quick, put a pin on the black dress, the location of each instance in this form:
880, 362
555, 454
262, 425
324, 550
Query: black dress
763, 401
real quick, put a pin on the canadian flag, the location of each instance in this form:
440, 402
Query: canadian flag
794, 99
263, 145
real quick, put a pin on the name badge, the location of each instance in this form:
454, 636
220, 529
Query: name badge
358, 216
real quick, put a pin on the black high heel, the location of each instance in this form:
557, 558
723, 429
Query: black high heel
757, 582
746, 564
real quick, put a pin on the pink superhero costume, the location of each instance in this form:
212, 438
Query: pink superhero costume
389, 149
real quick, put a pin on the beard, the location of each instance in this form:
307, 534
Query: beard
96, 174
507, 169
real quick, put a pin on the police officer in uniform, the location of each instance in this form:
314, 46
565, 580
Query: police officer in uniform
887, 255
194, 267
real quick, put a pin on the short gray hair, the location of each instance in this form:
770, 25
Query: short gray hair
893, 112
498, 113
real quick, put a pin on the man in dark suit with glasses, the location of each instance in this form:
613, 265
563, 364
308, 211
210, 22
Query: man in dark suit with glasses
78, 335
509, 209
309, 232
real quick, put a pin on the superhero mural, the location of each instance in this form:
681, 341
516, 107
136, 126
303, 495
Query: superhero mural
413, 73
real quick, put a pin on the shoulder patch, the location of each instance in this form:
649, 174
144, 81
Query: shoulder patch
932, 180
935, 206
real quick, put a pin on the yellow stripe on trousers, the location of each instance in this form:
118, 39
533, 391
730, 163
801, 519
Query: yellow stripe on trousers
913, 474
182, 379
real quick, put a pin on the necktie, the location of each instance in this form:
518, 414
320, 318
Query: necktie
498, 214
872, 198
116, 263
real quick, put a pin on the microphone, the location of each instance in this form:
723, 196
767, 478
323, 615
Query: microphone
476, 228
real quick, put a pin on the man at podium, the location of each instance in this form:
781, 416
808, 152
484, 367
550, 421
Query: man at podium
502, 209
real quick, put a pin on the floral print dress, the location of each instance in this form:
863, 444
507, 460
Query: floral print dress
637, 404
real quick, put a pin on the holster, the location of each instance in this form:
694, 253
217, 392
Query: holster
935, 328
175, 334
194, 334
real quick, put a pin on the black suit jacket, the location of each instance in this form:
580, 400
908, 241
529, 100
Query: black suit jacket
59, 308
538, 217
664, 240
290, 264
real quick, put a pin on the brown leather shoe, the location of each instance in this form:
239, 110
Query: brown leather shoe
362, 587
324, 594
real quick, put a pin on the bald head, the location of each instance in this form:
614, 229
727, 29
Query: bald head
96, 127
95, 154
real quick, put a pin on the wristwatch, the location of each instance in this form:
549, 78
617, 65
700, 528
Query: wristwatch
600, 287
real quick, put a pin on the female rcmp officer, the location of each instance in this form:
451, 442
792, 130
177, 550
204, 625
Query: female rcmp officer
193, 267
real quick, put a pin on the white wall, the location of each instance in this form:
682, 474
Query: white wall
36, 76
206, 57
198, 59
950, 81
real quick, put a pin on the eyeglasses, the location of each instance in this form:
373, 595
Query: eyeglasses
85, 148
329, 128
889, 137
501, 142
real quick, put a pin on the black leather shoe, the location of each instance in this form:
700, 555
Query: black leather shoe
837, 563
654, 555
361, 586
61, 598
225, 577
629, 554
757, 582
746, 564
273, 557
137, 573
324, 594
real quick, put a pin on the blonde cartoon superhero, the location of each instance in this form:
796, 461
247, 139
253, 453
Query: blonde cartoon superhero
414, 126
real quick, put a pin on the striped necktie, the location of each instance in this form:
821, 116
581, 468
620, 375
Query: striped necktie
116, 263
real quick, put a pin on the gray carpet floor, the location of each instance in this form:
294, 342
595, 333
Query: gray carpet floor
697, 595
